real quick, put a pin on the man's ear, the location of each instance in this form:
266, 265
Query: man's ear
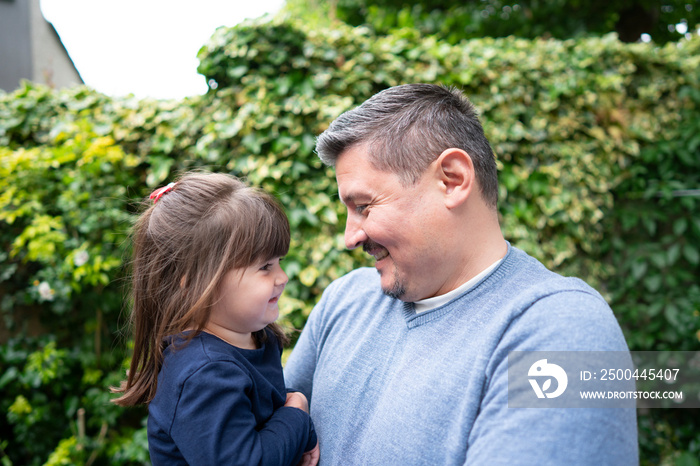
455, 172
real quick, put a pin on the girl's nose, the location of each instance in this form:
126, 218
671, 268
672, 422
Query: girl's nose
282, 278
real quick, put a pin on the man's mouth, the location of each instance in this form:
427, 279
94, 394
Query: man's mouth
380, 254
375, 250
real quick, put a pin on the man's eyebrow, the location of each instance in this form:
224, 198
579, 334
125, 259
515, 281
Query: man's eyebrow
352, 198
346, 199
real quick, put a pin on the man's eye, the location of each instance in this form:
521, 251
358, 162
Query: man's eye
361, 208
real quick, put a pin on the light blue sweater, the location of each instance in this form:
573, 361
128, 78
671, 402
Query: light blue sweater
387, 386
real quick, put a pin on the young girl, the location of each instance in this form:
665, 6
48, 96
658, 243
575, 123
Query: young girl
206, 281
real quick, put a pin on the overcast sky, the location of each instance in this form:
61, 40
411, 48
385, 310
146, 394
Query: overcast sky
144, 47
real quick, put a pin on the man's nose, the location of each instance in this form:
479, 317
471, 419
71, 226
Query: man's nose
354, 234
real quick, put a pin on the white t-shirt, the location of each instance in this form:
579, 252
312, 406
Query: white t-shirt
437, 301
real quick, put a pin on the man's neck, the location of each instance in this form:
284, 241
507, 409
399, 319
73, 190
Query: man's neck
437, 301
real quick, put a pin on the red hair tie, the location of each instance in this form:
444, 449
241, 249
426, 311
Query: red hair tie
155, 195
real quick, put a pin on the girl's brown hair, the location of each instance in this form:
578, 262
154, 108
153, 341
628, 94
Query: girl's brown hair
183, 245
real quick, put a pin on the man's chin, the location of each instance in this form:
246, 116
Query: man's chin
396, 294
396, 289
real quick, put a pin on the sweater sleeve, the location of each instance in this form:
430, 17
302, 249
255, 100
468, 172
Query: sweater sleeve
565, 321
214, 422
301, 364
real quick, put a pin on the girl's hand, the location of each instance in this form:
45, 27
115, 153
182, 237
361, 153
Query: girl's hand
310, 458
297, 400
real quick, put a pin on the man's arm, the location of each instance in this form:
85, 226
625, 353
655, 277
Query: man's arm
566, 321
301, 365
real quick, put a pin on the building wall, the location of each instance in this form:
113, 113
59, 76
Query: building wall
51, 63
15, 43
31, 49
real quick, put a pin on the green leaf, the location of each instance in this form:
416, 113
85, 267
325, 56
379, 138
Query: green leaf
653, 283
658, 259
673, 254
639, 268
160, 170
690, 252
680, 226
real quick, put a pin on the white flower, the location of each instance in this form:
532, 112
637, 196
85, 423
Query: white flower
45, 291
81, 258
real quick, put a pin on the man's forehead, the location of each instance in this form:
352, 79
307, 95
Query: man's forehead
355, 175
352, 193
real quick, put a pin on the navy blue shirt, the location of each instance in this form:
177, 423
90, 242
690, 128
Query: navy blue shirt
219, 404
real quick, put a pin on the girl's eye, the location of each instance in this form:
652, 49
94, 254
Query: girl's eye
271, 264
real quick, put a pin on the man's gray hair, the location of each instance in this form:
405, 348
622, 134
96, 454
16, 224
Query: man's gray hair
405, 128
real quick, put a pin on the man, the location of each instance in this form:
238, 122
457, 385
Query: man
410, 366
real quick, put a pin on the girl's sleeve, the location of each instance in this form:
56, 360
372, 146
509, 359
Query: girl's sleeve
214, 422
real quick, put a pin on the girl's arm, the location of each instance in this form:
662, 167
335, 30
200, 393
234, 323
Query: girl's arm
214, 422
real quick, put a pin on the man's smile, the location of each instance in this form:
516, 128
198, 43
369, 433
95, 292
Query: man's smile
377, 251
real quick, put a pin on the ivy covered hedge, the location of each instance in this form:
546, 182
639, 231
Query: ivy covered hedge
598, 148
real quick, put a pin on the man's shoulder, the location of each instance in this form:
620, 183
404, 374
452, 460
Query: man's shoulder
533, 279
352, 297
361, 280
543, 309
367, 274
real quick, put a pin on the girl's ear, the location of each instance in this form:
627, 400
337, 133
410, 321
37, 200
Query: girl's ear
455, 172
